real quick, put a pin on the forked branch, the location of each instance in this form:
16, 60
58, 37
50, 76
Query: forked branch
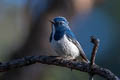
59, 61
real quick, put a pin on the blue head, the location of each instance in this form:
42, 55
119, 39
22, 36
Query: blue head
59, 28
60, 22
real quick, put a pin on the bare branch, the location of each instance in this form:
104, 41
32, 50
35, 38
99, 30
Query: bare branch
95, 41
58, 61
91, 68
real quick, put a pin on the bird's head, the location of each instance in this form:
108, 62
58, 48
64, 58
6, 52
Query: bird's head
59, 22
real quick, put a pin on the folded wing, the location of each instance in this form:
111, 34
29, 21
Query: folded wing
71, 37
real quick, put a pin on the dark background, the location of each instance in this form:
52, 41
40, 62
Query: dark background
25, 30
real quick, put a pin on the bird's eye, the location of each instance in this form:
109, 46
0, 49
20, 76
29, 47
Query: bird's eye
60, 22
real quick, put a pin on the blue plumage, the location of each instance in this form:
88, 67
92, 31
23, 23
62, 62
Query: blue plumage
57, 19
70, 34
63, 40
61, 31
59, 34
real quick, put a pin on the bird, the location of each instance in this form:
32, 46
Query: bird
63, 40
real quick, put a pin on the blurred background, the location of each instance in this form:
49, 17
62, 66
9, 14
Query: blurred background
25, 31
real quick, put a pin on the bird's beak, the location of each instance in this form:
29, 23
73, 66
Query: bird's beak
52, 21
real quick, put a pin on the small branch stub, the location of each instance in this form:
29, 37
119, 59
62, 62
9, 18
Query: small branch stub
95, 41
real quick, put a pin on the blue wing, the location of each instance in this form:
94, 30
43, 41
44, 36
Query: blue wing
72, 38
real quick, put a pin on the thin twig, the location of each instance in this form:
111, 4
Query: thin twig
58, 61
95, 41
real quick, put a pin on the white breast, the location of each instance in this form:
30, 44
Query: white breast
64, 47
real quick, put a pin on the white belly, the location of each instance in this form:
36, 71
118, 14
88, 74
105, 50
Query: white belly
65, 48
